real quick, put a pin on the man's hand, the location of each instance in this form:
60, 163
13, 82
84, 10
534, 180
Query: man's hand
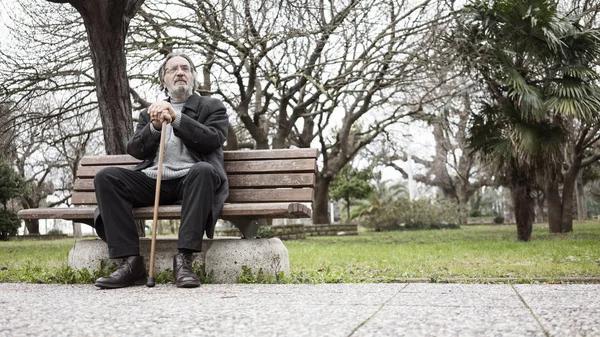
159, 112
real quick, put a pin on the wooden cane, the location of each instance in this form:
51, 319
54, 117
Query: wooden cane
161, 154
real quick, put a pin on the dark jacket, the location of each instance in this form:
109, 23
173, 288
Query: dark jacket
203, 130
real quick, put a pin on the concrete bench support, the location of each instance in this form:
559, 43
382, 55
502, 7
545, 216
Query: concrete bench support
222, 258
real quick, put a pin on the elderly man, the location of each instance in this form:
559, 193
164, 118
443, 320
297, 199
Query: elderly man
193, 175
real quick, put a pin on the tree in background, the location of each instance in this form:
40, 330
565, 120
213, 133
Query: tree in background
537, 68
106, 23
47, 154
351, 184
456, 174
303, 76
11, 183
60, 83
11, 186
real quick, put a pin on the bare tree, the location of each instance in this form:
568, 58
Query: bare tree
332, 75
107, 23
452, 169
47, 156
51, 63
8, 149
56, 62
564, 179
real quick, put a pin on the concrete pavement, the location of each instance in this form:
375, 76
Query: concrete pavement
415, 309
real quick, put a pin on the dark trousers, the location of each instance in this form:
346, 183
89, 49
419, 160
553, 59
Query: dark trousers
118, 190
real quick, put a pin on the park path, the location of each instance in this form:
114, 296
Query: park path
400, 309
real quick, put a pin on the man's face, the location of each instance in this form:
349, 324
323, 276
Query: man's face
178, 77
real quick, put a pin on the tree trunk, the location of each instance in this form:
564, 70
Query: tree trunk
232, 140
580, 195
539, 212
77, 230
321, 203
554, 203
567, 199
463, 209
524, 210
33, 226
106, 23
347, 209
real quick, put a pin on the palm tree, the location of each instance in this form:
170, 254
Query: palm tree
380, 199
536, 67
519, 149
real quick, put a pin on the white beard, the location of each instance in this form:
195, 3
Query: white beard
180, 90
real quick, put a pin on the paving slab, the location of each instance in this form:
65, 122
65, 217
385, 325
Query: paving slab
422, 320
453, 310
458, 295
298, 310
564, 310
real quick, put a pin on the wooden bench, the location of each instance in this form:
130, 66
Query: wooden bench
263, 184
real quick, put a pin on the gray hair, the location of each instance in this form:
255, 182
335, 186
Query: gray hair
161, 71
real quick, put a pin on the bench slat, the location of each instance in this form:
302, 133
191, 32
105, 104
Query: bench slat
271, 195
117, 159
297, 180
269, 166
240, 195
126, 159
90, 171
271, 154
263, 210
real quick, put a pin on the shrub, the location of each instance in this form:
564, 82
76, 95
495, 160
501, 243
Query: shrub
265, 232
498, 220
475, 214
9, 225
419, 214
430, 225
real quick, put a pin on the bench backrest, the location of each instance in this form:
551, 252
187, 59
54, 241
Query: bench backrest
258, 176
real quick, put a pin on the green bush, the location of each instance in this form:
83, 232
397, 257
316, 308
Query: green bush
498, 220
265, 232
404, 214
9, 225
430, 225
475, 214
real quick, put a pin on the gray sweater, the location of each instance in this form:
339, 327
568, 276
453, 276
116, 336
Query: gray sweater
177, 159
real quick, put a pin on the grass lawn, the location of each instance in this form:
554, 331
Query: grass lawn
472, 253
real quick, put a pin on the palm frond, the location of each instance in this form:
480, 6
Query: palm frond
528, 97
586, 107
552, 37
579, 71
486, 134
584, 45
539, 141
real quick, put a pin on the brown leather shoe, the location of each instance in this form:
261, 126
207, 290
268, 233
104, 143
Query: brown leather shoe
131, 272
183, 271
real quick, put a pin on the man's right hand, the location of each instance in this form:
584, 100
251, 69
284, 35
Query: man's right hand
159, 112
